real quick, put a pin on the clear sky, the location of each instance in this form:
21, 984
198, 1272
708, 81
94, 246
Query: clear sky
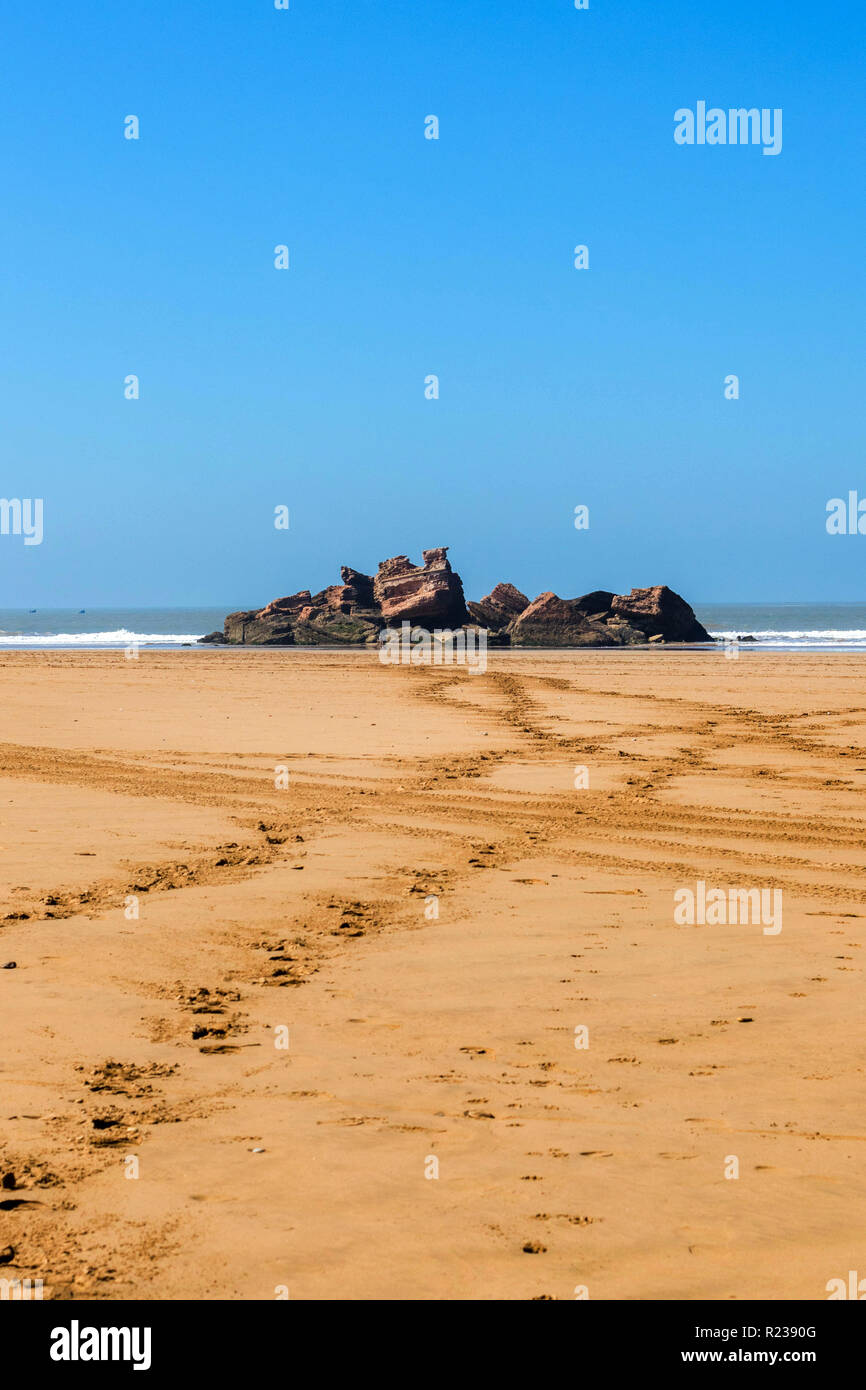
410, 257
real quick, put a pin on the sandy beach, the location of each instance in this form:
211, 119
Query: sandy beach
335, 1055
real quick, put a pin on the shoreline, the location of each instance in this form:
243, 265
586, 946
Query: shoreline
704, 647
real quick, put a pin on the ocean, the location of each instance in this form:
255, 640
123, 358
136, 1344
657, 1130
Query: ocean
813, 626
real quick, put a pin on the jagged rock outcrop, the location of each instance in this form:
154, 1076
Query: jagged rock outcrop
355, 611
659, 612
430, 595
605, 619
342, 613
556, 622
498, 608
360, 589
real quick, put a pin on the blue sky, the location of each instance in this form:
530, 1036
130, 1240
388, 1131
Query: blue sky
409, 257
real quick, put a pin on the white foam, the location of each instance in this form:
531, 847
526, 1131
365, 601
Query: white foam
807, 637
121, 637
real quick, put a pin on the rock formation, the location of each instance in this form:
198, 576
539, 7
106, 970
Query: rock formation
335, 616
660, 612
603, 619
431, 596
557, 622
497, 608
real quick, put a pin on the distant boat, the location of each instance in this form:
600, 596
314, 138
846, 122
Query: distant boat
82, 610
34, 610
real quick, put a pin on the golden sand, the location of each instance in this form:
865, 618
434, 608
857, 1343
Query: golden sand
168, 1144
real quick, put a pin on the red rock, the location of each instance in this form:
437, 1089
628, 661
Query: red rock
360, 585
498, 608
658, 611
506, 597
430, 594
551, 621
291, 604
506, 600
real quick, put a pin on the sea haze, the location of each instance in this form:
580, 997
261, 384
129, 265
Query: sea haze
815, 626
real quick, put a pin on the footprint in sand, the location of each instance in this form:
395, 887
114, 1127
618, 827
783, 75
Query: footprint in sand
565, 1216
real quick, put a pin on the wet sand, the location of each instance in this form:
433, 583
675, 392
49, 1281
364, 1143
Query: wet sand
425, 914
